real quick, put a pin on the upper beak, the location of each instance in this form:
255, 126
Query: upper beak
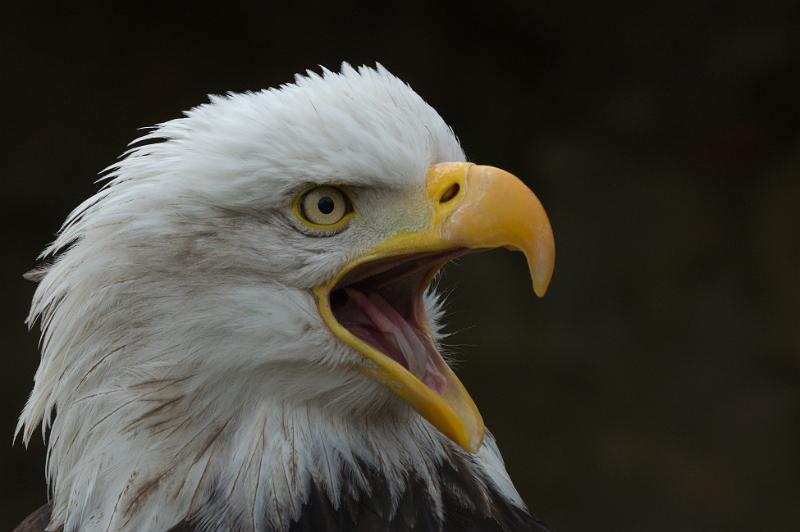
472, 208
496, 210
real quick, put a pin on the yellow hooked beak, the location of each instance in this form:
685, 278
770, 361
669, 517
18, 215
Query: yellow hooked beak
472, 208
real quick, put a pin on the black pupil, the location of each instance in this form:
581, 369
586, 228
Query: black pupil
325, 205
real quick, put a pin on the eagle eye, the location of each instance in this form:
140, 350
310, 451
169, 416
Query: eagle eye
323, 207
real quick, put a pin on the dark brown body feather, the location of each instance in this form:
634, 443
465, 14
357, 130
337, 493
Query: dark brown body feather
466, 507
36, 522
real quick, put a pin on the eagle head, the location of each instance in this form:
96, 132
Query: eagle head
243, 315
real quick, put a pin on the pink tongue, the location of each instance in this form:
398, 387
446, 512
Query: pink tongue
397, 332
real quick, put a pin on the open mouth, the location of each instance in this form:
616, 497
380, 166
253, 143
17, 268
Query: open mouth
375, 304
381, 303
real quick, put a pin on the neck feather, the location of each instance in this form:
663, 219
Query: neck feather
260, 469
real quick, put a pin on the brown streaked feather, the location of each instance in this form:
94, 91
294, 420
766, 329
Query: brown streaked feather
37, 521
35, 275
466, 507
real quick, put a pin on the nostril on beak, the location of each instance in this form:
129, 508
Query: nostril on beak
449, 193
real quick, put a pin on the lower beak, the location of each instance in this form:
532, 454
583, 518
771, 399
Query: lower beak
473, 208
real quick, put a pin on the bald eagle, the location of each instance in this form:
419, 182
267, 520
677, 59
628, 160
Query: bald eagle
239, 330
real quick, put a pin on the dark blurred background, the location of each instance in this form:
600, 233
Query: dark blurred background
657, 386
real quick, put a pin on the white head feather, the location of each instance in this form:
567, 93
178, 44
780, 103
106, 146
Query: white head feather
185, 368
